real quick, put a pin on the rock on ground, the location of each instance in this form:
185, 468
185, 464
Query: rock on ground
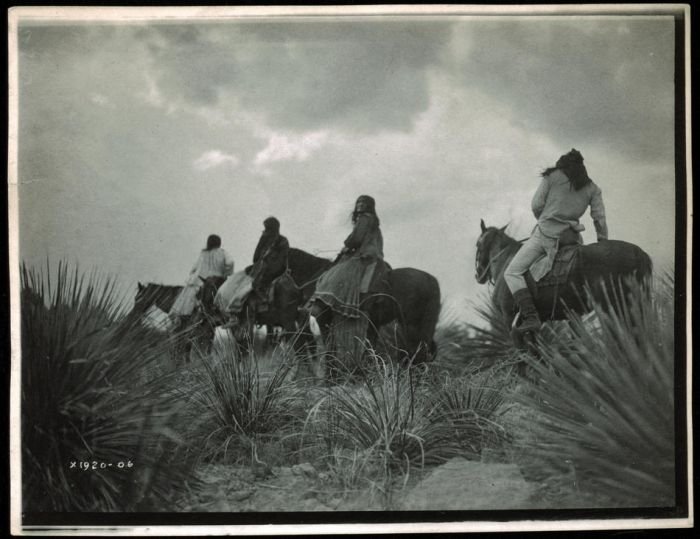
465, 485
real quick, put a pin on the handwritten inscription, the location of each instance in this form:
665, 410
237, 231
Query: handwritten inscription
86, 465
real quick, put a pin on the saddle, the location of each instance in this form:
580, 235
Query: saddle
267, 295
379, 284
566, 263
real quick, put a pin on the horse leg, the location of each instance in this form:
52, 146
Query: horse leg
270, 337
324, 320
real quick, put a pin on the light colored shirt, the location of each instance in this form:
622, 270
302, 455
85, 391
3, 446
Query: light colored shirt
216, 262
558, 206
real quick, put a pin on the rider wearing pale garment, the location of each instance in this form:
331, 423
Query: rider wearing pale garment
563, 196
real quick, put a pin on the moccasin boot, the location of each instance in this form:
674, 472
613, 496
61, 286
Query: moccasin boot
529, 319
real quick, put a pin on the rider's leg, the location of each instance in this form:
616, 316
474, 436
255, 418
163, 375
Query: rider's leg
514, 276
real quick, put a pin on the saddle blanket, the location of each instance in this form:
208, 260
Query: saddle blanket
157, 319
186, 301
554, 269
233, 292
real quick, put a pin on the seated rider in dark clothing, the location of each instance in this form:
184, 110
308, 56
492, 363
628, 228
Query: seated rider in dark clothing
360, 269
366, 242
269, 259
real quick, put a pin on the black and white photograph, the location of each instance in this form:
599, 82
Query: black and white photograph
349, 269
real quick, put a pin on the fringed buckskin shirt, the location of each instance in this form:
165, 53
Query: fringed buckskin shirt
558, 206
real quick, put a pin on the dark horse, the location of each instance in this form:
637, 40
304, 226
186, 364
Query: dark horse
154, 295
414, 302
194, 328
289, 292
599, 267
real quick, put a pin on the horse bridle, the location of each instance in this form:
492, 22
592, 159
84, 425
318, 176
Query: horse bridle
487, 269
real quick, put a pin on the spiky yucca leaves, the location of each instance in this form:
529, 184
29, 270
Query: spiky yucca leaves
84, 403
472, 408
467, 349
400, 422
244, 399
605, 402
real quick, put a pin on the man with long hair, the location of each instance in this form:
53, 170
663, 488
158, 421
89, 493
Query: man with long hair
563, 196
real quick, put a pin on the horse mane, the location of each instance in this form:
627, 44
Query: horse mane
511, 244
155, 293
161, 286
306, 266
303, 256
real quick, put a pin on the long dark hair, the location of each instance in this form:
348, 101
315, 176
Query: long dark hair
572, 165
213, 242
370, 205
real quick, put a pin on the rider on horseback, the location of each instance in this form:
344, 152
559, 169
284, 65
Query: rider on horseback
269, 259
564, 194
360, 266
213, 263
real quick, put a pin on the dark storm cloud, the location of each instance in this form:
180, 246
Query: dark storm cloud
300, 76
584, 81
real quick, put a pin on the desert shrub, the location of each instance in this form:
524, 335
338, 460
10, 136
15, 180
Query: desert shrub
472, 407
394, 422
83, 400
604, 401
240, 404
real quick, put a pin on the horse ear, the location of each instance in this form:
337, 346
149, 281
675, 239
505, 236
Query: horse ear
483, 226
141, 287
202, 279
503, 228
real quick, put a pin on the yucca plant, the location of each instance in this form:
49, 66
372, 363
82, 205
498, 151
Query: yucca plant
95, 436
472, 407
469, 348
241, 403
605, 401
401, 420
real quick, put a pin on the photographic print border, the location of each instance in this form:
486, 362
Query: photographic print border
680, 515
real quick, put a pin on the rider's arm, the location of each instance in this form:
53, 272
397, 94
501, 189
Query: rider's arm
259, 249
228, 264
276, 257
598, 214
540, 197
359, 232
195, 267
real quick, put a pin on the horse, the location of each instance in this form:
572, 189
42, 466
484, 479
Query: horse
414, 302
153, 294
598, 270
153, 297
289, 292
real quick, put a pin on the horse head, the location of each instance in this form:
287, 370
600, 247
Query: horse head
145, 297
153, 294
492, 240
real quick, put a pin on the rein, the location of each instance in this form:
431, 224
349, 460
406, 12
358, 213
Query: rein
487, 269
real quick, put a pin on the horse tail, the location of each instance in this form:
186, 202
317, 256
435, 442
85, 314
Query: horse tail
431, 314
644, 266
644, 272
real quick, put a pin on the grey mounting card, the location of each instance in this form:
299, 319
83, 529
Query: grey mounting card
413, 402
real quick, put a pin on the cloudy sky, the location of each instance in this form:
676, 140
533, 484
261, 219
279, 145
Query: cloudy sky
138, 140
